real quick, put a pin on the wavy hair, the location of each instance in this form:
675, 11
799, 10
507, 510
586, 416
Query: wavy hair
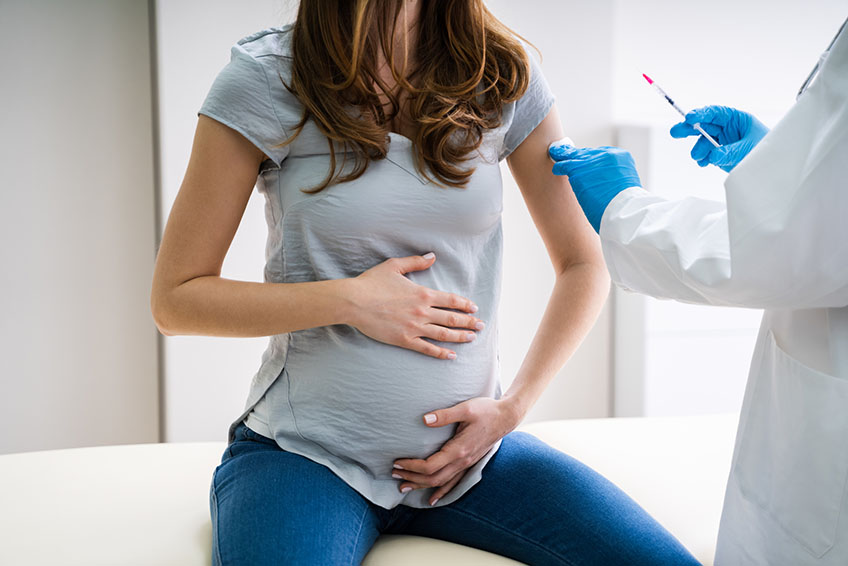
469, 66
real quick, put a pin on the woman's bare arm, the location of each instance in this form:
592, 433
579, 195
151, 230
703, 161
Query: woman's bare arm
582, 281
582, 285
189, 296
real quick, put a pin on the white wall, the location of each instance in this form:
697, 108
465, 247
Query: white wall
207, 379
752, 55
77, 342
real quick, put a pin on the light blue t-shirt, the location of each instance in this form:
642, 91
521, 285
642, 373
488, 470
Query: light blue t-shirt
331, 393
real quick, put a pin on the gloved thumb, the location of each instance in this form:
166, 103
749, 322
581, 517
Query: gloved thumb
683, 130
566, 167
561, 149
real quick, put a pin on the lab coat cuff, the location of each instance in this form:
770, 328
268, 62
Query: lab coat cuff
618, 202
607, 230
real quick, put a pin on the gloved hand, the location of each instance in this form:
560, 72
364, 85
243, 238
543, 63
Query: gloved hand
738, 133
597, 175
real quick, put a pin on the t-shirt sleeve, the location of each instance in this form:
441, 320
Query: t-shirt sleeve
241, 98
528, 111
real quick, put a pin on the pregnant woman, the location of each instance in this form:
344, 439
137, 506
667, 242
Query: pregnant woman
375, 129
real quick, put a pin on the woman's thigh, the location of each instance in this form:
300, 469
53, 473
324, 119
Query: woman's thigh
270, 506
540, 506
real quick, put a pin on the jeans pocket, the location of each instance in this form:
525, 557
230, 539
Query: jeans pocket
792, 461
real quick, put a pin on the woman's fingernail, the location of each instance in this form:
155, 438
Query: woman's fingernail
479, 326
470, 336
473, 308
429, 255
397, 467
434, 501
397, 477
452, 356
429, 418
407, 489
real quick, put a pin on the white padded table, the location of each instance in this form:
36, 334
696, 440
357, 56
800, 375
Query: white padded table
147, 504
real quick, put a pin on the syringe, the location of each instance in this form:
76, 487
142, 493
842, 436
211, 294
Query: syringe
676, 107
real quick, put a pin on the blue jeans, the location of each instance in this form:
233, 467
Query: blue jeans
534, 504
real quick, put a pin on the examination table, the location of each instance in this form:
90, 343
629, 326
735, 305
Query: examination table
148, 504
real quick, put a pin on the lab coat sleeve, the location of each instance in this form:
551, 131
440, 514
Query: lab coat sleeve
766, 249
781, 242
667, 249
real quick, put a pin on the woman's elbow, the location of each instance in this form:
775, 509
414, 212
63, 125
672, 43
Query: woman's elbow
585, 254
592, 272
162, 315
597, 272
602, 277
589, 267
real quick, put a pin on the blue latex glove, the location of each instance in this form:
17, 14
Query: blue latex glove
597, 175
738, 133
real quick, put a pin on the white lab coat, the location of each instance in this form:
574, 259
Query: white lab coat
780, 243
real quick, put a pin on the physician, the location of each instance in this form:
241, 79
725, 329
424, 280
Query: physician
781, 244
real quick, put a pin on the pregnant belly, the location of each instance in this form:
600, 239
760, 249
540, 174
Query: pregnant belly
363, 400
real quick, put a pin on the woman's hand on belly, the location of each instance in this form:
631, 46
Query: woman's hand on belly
482, 422
388, 307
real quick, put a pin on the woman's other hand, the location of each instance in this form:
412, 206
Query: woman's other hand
392, 309
482, 422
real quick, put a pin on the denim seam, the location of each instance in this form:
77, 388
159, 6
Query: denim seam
501, 528
356, 540
217, 537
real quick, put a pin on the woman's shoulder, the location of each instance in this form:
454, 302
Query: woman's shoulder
266, 57
523, 115
274, 43
249, 94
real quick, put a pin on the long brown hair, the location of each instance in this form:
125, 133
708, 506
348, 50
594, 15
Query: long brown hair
469, 66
